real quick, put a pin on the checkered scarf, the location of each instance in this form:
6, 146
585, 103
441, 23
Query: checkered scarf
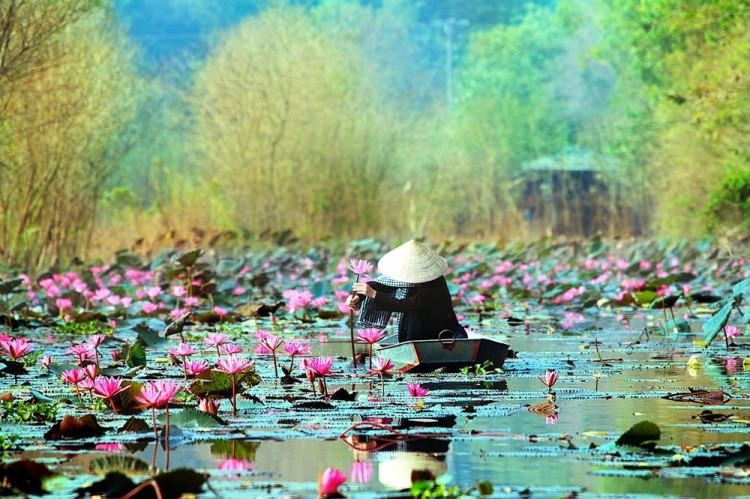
370, 316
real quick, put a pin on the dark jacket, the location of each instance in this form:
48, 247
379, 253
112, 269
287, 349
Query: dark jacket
427, 308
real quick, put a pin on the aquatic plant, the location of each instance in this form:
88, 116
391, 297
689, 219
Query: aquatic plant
107, 388
416, 390
330, 481
549, 380
157, 395
233, 366
382, 368
370, 336
272, 343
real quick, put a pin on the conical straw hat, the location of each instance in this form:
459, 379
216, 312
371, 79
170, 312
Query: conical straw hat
412, 262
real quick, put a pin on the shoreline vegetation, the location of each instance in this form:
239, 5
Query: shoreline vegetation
340, 120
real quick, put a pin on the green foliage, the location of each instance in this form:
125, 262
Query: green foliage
9, 442
19, 411
84, 328
481, 369
729, 203
428, 489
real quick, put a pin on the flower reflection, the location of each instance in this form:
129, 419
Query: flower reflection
233, 464
110, 447
361, 472
732, 364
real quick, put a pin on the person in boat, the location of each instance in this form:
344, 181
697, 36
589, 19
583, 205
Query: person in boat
412, 290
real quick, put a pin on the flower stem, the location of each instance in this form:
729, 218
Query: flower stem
153, 421
275, 369
234, 395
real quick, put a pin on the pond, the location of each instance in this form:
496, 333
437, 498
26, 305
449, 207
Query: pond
617, 365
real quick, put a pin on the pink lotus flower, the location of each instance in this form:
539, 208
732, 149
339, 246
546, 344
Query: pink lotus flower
46, 361
360, 267
64, 304
381, 367
220, 311
215, 340
101, 294
233, 366
238, 291
107, 388
179, 291
416, 390
732, 331
16, 348
293, 348
153, 291
272, 342
330, 481
149, 307
192, 301
370, 335
209, 405
73, 376
550, 378
82, 352
157, 394
195, 367
230, 349
178, 313
321, 366
551, 419
183, 350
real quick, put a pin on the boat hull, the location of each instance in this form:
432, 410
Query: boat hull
452, 354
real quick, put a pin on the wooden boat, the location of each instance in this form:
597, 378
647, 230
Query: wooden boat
446, 352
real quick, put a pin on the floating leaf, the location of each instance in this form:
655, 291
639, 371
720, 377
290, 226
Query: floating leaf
73, 428
640, 435
192, 418
188, 259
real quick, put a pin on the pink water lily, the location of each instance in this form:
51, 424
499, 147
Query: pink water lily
157, 395
272, 342
732, 331
233, 366
416, 390
82, 352
195, 367
370, 336
107, 388
330, 481
360, 267
294, 348
216, 340
382, 368
230, 349
549, 380
184, 350
319, 366
16, 348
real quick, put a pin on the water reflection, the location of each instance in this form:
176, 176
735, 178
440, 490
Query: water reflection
399, 470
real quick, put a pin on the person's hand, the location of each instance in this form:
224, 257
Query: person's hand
362, 288
352, 301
